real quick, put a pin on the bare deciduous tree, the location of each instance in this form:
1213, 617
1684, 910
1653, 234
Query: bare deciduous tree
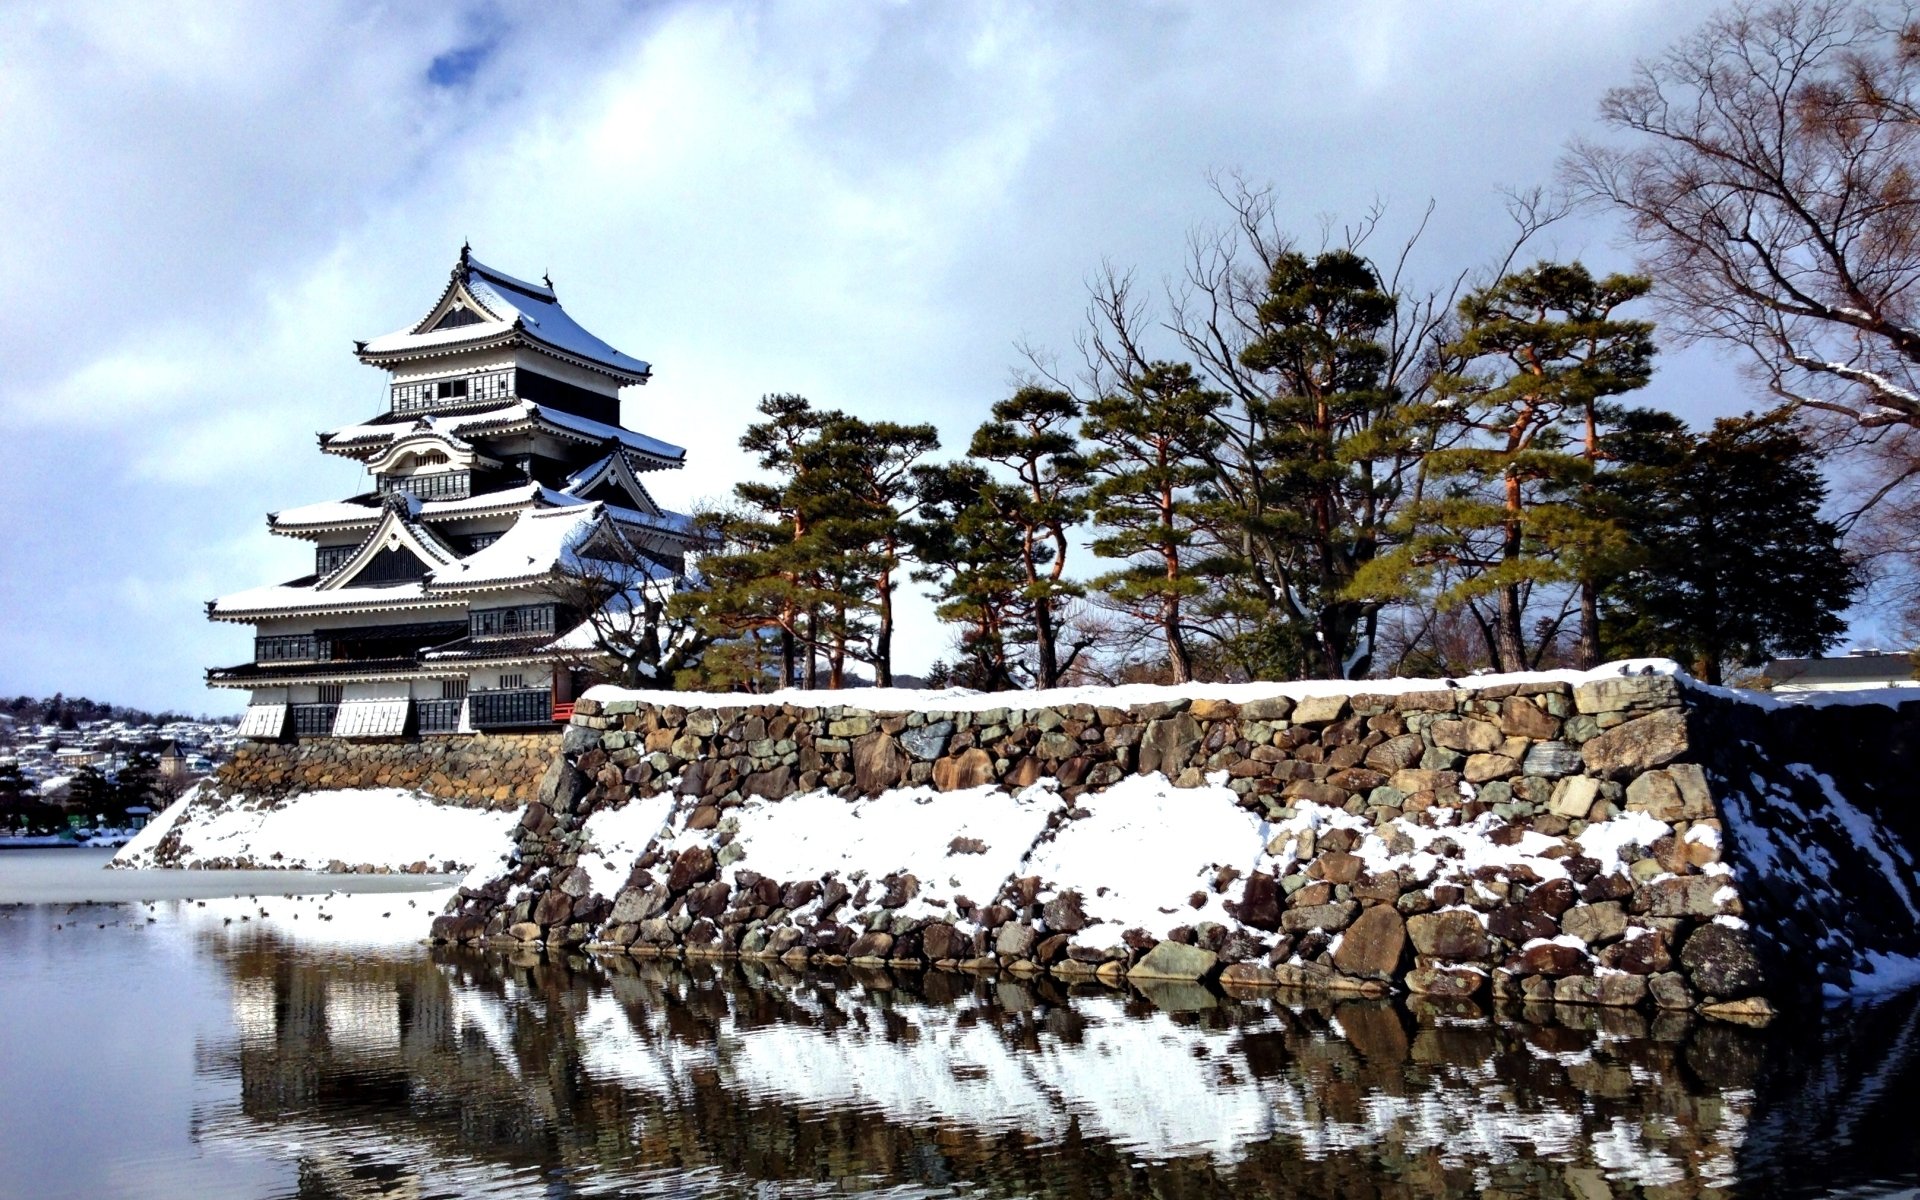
1773, 188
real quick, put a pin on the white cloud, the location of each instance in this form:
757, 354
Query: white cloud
865, 203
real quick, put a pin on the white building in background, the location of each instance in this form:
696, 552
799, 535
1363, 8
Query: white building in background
1854, 671
499, 467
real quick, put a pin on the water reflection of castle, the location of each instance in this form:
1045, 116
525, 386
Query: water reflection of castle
469, 1075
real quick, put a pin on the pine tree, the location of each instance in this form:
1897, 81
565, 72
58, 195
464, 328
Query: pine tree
858, 475
974, 557
763, 579
1153, 440
1515, 427
1316, 460
1031, 435
1732, 561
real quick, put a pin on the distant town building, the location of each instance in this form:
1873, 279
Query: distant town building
1852, 672
498, 469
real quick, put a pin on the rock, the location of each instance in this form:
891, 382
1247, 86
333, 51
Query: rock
1669, 991
694, 865
1595, 924
1455, 936
900, 889
1721, 962
1015, 940
1656, 794
1171, 960
871, 945
878, 763
1374, 945
1329, 917
1639, 745
968, 769
1168, 744
1615, 991
1260, 902
574, 881
1750, 1010
774, 784
1273, 708
1550, 760
1626, 692
1453, 983
1521, 717
1338, 866
1246, 975
524, 931
1466, 734
1318, 710
1644, 954
928, 742
1397, 754
1573, 797
1552, 959
1485, 768
1685, 895
1063, 913
1696, 799
942, 941
554, 908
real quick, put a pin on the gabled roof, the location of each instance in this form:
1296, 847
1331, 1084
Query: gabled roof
483, 307
541, 542
616, 473
395, 532
520, 416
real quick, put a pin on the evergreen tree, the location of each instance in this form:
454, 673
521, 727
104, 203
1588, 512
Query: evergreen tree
1514, 427
857, 475
974, 557
91, 792
1153, 440
763, 578
1732, 561
1313, 462
1031, 435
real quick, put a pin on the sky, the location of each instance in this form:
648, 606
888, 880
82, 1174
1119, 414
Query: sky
873, 204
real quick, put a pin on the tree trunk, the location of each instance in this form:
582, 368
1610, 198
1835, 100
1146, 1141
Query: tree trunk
1046, 648
788, 654
1586, 652
1510, 651
883, 637
813, 649
1178, 660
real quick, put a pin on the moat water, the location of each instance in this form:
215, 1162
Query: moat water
154, 1047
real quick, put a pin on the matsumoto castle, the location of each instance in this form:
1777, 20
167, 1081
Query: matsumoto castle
499, 470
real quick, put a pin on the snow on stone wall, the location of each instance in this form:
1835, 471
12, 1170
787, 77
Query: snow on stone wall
1532, 837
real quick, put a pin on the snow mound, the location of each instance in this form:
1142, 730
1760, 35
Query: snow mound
382, 828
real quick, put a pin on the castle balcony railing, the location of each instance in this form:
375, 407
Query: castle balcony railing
441, 485
441, 395
507, 708
436, 716
314, 720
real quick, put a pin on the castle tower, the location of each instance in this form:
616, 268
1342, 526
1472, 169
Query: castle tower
499, 471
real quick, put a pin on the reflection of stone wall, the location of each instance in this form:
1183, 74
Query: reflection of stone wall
743, 1077
1536, 841
481, 770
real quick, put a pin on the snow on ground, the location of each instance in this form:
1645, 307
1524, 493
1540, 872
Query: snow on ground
139, 851
380, 827
1143, 849
959, 843
344, 919
617, 836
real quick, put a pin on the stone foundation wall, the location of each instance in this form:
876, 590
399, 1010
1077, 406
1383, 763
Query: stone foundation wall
1539, 840
480, 770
